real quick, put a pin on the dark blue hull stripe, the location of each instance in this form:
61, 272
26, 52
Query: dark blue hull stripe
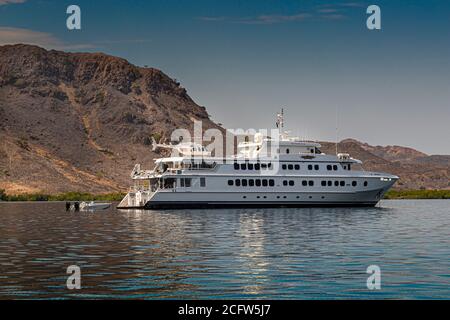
218, 204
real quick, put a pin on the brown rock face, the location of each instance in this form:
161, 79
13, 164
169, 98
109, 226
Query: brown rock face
415, 169
80, 121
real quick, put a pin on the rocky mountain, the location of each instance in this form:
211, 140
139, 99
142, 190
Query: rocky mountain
391, 153
415, 169
80, 121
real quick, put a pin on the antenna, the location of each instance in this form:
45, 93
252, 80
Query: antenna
336, 129
280, 120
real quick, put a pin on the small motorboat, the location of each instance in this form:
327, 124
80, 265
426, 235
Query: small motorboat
91, 206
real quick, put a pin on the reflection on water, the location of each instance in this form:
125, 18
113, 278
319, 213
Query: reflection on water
242, 253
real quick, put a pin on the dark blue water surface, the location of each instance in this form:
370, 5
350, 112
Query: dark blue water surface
244, 253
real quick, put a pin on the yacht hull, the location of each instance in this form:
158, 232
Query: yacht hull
220, 205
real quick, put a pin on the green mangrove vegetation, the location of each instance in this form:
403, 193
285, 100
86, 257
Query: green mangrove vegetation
417, 194
69, 196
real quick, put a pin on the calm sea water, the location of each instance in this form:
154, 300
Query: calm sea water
244, 253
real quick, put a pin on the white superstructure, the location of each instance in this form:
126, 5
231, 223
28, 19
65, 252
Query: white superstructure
286, 172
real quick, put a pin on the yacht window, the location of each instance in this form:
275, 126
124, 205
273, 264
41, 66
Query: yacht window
310, 183
365, 183
230, 182
236, 166
330, 183
237, 183
335, 167
316, 167
287, 151
244, 182
297, 167
264, 182
336, 183
290, 167
271, 182
202, 182
329, 167
269, 165
312, 150
182, 182
304, 183
257, 166
310, 166
251, 182
243, 166
250, 166
263, 165
354, 183
291, 183
285, 183
187, 182
349, 167
342, 183
324, 183
258, 183
284, 167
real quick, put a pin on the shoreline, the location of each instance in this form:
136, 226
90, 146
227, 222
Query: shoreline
83, 196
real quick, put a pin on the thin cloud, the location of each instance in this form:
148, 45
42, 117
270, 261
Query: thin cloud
261, 19
329, 12
5, 2
272, 19
9, 35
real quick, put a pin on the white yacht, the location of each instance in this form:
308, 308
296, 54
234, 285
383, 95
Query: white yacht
295, 174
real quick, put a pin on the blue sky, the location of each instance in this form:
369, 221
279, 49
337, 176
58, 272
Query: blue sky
244, 60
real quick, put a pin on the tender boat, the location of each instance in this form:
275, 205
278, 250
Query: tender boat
92, 206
